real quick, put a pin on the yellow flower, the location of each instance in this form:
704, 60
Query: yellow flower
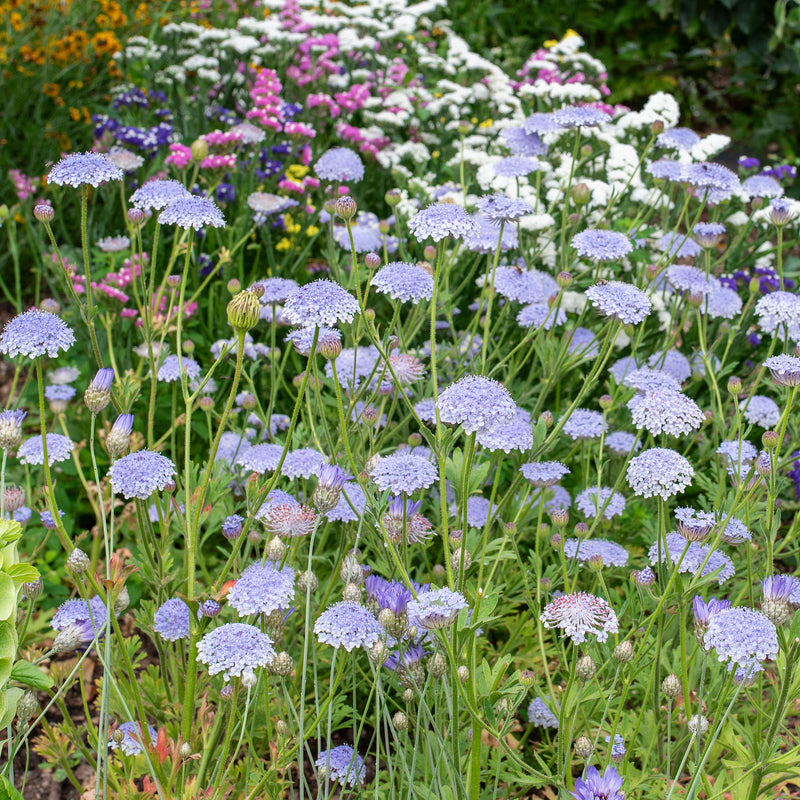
312, 230
297, 172
487, 123
283, 244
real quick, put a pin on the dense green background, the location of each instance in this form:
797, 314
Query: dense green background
734, 65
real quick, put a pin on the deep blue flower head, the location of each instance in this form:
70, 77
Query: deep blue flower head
78, 169
155, 195
348, 625
436, 608
192, 212
131, 743
171, 620
319, 303
440, 220
403, 473
59, 448
515, 166
339, 164
342, 764
36, 333
597, 787
404, 282
476, 403
141, 474
235, 650
601, 245
262, 589
621, 300
522, 143
580, 116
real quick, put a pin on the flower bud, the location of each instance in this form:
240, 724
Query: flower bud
586, 669
583, 747
68, 639
174, 281
14, 498
547, 418
526, 678
351, 571
581, 194
346, 207
11, 429
438, 665
244, 311
606, 402
770, 439
282, 729
249, 680
352, 593
307, 582
226, 692
408, 696
33, 589
623, 652
657, 126
400, 721
119, 437
122, 601
275, 549
210, 608
372, 260
206, 403
185, 750
199, 149
734, 385
463, 673
698, 726
27, 706
564, 279
136, 216
98, 393
282, 664
671, 686
44, 212
392, 197
77, 562
50, 305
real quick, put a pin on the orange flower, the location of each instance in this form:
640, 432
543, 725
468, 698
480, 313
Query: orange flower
105, 42
51, 89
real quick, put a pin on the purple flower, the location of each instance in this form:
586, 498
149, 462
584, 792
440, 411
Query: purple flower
348, 625
515, 166
80, 621
762, 186
621, 300
440, 220
785, 369
435, 608
11, 428
585, 424
592, 500
716, 562
718, 182
735, 532
320, 303
665, 411
59, 393
498, 208
579, 614
232, 526
403, 473
708, 234
59, 448
666, 170
276, 290
777, 595
486, 238
476, 403
235, 650
155, 195
404, 282
651, 380
367, 238
342, 764
171, 620
673, 363
260, 458
170, 370
516, 434
597, 787
612, 554
621, 443
694, 525
541, 315
524, 286
722, 303
691, 279
303, 339
192, 212
539, 714
302, 463
760, 410
601, 245
523, 143
339, 164
659, 471
403, 522
35, 333
678, 139
264, 204
287, 519
580, 116
78, 169
479, 511
741, 636
678, 246
544, 473
702, 615
779, 309
131, 743
352, 497
231, 445
141, 474
262, 589
541, 123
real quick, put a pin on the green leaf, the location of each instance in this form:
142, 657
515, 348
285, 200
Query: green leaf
8, 791
26, 673
10, 530
8, 596
23, 573
13, 696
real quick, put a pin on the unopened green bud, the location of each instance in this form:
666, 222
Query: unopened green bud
244, 311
